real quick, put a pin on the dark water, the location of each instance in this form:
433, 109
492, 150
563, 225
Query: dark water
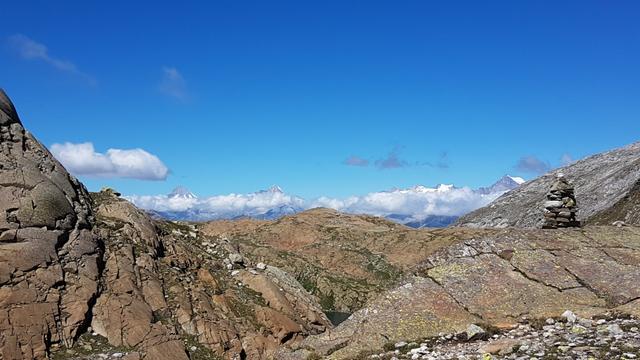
336, 317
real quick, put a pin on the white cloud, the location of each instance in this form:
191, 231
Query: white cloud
173, 84
222, 206
415, 203
82, 159
30, 49
418, 202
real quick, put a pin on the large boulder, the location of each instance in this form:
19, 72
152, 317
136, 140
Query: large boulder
49, 259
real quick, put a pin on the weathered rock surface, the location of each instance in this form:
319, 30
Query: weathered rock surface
165, 282
604, 337
498, 278
49, 259
607, 184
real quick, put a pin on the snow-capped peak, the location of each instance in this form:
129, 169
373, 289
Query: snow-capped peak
505, 183
424, 189
182, 192
275, 189
420, 189
444, 187
518, 180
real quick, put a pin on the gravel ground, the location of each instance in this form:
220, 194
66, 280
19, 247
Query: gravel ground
570, 338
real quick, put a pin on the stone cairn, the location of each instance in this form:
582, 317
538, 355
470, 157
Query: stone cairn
561, 207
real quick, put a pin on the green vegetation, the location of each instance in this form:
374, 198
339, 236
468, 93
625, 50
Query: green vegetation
314, 356
327, 302
88, 345
198, 351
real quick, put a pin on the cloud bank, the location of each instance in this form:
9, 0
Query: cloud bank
83, 160
258, 204
415, 203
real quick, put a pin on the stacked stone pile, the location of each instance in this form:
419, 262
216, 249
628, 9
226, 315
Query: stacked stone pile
561, 207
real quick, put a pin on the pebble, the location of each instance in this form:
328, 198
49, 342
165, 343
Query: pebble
571, 340
474, 331
569, 316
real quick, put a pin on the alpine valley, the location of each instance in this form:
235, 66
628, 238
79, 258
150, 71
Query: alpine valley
91, 276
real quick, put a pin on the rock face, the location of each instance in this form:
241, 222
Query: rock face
49, 259
606, 185
497, 278
166, 284
561, 206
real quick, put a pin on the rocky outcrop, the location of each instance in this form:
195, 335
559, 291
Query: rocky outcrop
605, 183
49, 259
132, 289
165, 282
496, 278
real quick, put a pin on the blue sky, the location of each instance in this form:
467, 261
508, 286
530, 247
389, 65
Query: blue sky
233, 96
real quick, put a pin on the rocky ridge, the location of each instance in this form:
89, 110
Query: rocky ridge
50, 260
606, 184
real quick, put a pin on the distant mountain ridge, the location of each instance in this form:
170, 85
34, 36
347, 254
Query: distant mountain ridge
417, 207
506, 183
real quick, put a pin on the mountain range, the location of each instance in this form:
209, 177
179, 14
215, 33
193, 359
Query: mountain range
417, 207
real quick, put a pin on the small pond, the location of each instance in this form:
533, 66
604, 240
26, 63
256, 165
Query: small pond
336, 317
